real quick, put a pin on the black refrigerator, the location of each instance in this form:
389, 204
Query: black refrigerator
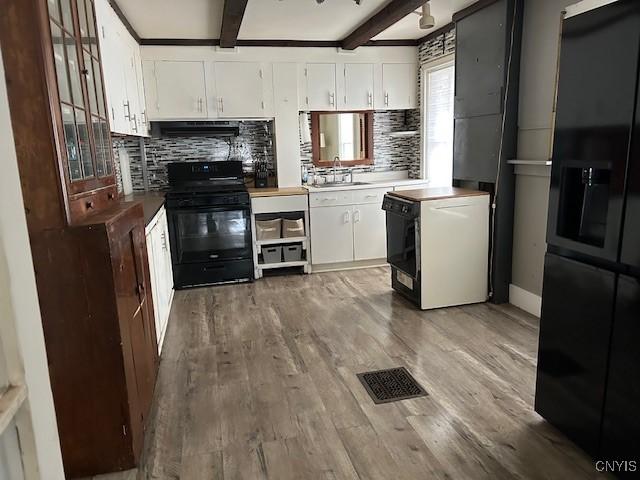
588, 382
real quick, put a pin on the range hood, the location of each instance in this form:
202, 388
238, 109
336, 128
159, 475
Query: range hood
195, 128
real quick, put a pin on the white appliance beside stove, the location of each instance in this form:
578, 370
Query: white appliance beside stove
438, 245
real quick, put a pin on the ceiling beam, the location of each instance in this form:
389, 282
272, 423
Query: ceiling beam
231, 21
391, 13
214, 42
123, 19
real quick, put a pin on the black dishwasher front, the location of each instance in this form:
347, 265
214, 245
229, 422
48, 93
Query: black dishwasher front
403, 245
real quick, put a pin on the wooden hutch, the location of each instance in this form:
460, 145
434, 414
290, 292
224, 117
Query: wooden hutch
88, 247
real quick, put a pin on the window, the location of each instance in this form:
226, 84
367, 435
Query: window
438, 82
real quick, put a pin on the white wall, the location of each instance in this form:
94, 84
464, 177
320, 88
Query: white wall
20, 322
537, 92
289, 83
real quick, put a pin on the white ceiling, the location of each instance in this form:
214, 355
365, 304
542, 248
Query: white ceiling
275, 19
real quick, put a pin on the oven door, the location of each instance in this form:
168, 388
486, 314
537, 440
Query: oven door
403, 243
210, 234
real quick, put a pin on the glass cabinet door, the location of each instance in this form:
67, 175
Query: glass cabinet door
80, 92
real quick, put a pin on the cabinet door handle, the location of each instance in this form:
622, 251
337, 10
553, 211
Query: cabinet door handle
221, 100
328, 199
370, 99
386, 99
144, 117
127, 114
134, 123
371, 195
332, 99
345, 217
356, 216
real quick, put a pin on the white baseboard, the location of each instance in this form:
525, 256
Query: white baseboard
527, 301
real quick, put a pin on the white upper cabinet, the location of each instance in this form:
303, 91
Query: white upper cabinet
178, 88
239, 90
321, 86
399, 86
358, 87
142, 124
122, 73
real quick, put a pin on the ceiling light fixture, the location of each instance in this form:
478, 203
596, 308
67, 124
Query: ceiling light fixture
426, 19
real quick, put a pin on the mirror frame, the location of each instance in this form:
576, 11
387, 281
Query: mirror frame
368, 136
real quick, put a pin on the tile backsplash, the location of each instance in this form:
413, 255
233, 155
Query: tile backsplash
254, 142
389, 153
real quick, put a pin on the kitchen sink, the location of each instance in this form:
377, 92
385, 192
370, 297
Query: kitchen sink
339, 184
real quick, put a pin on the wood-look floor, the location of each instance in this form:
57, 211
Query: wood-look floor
258, 381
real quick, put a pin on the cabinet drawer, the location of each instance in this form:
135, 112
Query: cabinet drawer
284, 203
327, 199
374, 195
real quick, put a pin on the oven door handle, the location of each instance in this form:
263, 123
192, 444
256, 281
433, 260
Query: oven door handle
201, 209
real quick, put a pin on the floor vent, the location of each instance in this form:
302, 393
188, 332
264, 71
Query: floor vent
391, 385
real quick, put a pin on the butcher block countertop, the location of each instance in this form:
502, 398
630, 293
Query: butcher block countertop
436, 193
276, 192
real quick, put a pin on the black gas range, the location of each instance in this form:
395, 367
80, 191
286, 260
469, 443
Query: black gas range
209, 213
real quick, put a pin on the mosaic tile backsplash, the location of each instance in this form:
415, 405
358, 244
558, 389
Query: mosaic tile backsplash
389, 153
255, 142
433, 49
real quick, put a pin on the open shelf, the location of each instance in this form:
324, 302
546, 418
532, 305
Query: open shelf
543, 163
265, 266
404, 133
279, 241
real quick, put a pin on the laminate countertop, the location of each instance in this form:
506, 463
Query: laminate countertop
276, 192
151, 203
435, 193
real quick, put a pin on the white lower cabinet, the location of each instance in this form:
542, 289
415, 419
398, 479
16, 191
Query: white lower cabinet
161, 272
369, 232
332, 235
352, 231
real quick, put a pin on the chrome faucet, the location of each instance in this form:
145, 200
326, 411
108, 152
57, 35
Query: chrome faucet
336, 159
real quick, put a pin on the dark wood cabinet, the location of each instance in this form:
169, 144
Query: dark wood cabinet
88, 247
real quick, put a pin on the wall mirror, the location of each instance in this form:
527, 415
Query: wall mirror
347, 135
